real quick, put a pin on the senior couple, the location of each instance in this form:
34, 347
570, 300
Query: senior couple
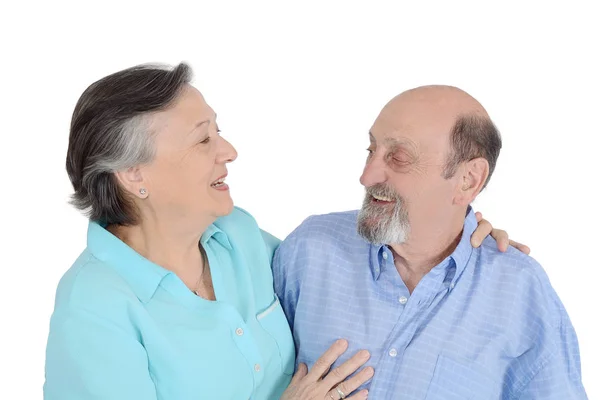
180, 295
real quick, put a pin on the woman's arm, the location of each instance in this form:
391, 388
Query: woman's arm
91, 357
93, 349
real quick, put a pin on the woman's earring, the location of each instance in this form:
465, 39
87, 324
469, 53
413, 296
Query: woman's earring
143, 192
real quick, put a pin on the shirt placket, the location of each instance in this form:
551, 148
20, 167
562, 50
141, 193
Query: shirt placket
415, 311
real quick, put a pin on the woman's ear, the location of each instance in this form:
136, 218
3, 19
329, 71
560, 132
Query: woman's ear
132, 181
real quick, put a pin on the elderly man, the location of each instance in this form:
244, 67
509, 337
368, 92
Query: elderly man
442, 320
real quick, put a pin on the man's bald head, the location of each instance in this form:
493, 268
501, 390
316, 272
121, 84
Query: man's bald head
432, 150
451, 112
440, 99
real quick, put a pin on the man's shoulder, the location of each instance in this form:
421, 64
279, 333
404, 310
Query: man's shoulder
521, 277
511, 262
319, 249
337, 227
317, 239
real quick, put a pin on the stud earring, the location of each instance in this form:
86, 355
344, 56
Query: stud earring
143, 191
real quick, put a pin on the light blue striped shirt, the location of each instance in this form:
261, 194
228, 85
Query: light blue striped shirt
480, 325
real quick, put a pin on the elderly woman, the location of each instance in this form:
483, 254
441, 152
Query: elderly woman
173, 296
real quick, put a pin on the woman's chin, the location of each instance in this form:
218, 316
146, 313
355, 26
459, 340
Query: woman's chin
224, 208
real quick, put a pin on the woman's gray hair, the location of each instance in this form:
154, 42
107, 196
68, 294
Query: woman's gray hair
110, 132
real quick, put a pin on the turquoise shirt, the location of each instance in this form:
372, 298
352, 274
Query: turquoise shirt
125, 328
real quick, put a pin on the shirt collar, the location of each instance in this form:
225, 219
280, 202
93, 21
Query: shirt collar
460, 256
141, 274
213, 231
376, 261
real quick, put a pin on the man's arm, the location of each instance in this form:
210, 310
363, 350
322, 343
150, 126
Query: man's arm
279, 258
287, 274
560, 377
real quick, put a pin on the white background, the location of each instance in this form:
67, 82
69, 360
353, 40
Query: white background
297, 86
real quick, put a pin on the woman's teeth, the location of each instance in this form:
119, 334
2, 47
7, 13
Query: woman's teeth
218, 183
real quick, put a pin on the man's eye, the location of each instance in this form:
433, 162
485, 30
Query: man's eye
400, 161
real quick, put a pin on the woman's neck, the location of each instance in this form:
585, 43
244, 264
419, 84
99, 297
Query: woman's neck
166, 245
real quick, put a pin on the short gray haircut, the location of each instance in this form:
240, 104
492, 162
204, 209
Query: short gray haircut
473, 136
110, 132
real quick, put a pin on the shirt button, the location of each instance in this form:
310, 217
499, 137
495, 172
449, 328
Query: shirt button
452, 285
402, 300
385, 256
239, 331
257, 367
393, 353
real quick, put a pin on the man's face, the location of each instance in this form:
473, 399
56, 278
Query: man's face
405, 189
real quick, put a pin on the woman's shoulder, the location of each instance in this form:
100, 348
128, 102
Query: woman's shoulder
91, 284
237, 219
240, 225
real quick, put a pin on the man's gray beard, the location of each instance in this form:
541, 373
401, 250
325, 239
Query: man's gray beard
376, 225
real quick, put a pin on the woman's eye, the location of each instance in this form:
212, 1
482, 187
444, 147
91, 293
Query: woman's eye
205, 141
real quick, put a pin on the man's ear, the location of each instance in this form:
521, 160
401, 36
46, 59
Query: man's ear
474, 173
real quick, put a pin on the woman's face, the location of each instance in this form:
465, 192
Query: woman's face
185, 178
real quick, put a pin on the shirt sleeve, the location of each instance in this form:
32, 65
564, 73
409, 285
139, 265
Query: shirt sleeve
271, 243
287, 274
90, 356
560, 377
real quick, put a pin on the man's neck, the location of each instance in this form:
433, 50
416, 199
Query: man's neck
423, 251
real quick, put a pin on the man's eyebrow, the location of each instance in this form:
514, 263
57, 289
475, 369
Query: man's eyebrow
393, 144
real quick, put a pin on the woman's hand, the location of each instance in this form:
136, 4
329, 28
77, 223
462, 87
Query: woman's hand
317, 384
484, 228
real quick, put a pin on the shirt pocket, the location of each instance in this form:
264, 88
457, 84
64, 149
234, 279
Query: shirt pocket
459, 379
274, 322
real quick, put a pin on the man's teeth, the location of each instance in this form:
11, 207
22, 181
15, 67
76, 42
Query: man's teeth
381, 198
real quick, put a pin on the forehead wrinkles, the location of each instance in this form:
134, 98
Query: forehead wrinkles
394, 143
